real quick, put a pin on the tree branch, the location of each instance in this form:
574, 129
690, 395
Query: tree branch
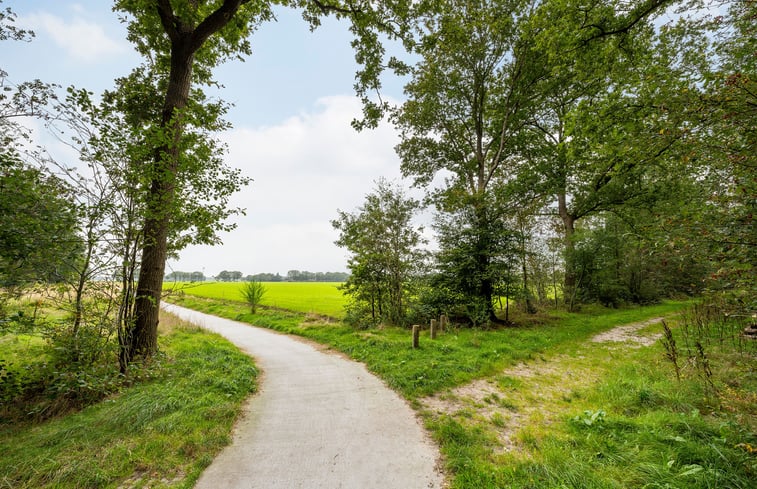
646, 8
168, 20
215, 22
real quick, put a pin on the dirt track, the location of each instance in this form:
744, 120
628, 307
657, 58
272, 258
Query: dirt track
318, 421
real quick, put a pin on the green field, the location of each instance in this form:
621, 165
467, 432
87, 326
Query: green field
323, 298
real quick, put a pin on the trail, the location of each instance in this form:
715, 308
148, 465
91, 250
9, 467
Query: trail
318, 421
539, 392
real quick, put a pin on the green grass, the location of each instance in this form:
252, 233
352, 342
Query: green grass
628, 423
453, 359
161, 433
597, 416
322, 298
587, 416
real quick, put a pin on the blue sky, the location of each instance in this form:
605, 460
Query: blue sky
293, 103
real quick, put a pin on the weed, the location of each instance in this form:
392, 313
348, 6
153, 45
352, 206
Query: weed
671, 350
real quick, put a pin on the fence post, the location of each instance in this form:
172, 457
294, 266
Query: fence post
443, 322
416, 335
432, 332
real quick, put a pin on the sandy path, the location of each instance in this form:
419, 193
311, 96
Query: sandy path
544, 387
319, 421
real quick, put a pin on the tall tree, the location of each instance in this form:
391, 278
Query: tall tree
607, 86
183, 41
179, 36
468, 101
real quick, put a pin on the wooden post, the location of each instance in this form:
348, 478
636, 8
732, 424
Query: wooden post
432, 332
443, 322
416, 335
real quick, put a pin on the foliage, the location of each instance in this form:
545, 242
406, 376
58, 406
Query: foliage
475, 264
38, 226
253, 292
468, 100
166, 428
384, 255
617, 261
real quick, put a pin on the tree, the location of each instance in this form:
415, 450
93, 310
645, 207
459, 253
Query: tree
715, 222
178, 36
476, 264
384, 253
39, 238
253, 292
468, 101
607, 86
184, 41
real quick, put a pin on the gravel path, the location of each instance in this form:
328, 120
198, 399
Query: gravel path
318, 421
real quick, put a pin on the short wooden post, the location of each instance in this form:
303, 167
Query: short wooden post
416, 335
432, 331
443, 322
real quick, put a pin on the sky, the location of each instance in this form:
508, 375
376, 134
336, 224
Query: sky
293, 103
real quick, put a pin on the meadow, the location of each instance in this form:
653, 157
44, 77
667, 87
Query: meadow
321, 298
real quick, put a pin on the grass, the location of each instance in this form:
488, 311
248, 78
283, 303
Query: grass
453, 359
161, 433
608, 416
323, 298
552, 410
583, 415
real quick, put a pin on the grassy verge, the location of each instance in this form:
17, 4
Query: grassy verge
456, 357
160, 433
608, 416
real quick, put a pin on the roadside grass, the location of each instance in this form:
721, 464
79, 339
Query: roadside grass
610, 416
160, 433
454, 358
557, 410
323, 298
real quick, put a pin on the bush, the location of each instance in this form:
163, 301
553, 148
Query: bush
253, 293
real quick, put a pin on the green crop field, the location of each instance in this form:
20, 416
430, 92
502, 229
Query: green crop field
308, 297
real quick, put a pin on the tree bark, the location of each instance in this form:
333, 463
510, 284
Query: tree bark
569, 229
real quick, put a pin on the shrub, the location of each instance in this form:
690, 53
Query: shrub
253, 293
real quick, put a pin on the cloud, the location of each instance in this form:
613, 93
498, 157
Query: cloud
304, 169
82, 40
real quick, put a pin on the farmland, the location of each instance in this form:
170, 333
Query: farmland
323, 298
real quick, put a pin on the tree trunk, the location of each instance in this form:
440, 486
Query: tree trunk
569, 222
186, 38
143, 337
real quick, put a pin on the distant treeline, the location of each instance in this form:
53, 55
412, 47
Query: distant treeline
237, 276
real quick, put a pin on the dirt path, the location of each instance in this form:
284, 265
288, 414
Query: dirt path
319, 421
527, 398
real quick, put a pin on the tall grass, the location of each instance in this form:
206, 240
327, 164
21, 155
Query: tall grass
160, 433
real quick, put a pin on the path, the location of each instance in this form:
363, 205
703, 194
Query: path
533, 395
318, 421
